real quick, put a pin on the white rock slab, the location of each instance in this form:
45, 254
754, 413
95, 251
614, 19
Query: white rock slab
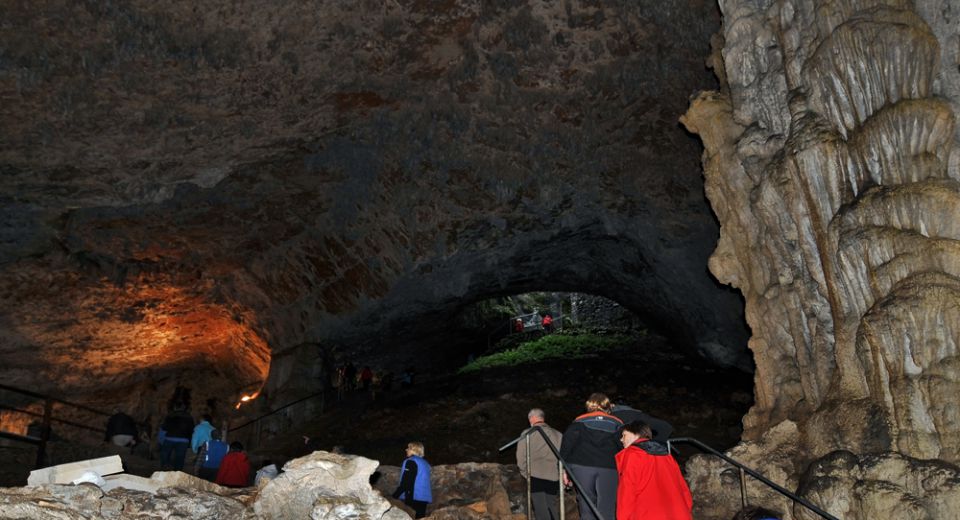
67, 473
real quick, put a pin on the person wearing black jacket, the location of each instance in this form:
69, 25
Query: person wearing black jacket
589, 447
121, 429
177, 428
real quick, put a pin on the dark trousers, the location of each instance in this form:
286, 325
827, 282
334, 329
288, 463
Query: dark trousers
209, 474
419, 507
545, 496
172, 454
600, 486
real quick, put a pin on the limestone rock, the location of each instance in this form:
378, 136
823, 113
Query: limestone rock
57, 501
887, 485
324, 486
715, 485
830, 162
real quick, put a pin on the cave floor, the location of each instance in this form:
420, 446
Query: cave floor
466, 418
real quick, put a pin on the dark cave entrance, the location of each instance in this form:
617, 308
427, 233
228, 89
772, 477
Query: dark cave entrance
465, 414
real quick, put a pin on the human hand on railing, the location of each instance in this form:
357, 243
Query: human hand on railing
566, 480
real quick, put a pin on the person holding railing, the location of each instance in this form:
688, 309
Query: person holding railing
651, 486
543, 471
589, 447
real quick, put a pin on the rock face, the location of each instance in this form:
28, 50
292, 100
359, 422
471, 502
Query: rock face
831, 163
325, 486
189, 190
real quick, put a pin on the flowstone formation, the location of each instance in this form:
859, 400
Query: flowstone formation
831, 163
190, 191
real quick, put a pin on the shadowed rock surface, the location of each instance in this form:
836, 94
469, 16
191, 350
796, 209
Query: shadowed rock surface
189, 190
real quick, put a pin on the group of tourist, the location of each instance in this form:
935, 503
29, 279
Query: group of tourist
617, 458
347, 379
214, 459
620, 461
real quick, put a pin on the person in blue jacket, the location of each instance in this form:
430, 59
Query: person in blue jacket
201, 433
414, 487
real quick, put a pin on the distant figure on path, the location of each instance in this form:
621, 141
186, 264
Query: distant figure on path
366, 377
651, 486
414, 487
544, 471
121, 429
234, 468
518, 325
589, 447
547, 323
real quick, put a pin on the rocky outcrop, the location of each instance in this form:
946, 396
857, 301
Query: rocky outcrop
189, 190
325, 486
831, 163
319, 486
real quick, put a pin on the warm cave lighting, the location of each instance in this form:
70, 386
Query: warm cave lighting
246, 398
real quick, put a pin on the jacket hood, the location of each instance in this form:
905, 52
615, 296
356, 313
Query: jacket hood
652, 447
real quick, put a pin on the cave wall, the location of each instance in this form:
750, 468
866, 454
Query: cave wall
189, 190
831, 161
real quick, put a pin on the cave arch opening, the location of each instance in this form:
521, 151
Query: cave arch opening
462, 413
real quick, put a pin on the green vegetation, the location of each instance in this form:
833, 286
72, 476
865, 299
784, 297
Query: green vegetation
553, 346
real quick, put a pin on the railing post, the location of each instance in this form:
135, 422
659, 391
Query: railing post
743, 488
44, 432
529, 480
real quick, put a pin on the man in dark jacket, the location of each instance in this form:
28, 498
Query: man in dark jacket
178, 428
121, 430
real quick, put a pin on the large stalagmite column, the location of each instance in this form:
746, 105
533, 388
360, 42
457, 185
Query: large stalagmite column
831, 164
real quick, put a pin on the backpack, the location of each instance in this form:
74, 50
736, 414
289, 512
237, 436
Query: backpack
213, 453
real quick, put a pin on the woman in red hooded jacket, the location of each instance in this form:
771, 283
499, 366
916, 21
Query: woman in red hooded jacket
651, 486
234, 468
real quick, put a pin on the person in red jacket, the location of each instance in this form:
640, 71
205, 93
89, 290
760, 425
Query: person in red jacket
650, 486
234, 468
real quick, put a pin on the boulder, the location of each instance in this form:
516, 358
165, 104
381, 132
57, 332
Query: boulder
325, 486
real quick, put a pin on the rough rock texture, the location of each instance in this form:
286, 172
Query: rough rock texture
886, 485
88, 502
325, 486
831, 163
320, 486
189, 189
468, 490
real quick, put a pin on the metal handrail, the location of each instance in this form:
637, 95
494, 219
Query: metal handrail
753, 473
562, 463
277, 410
47, 419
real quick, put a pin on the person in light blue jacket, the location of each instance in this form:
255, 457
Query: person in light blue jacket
201, 433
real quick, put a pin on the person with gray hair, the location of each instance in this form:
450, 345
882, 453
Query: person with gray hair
543, 472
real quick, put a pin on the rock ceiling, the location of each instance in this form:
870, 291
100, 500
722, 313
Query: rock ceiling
188, 189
